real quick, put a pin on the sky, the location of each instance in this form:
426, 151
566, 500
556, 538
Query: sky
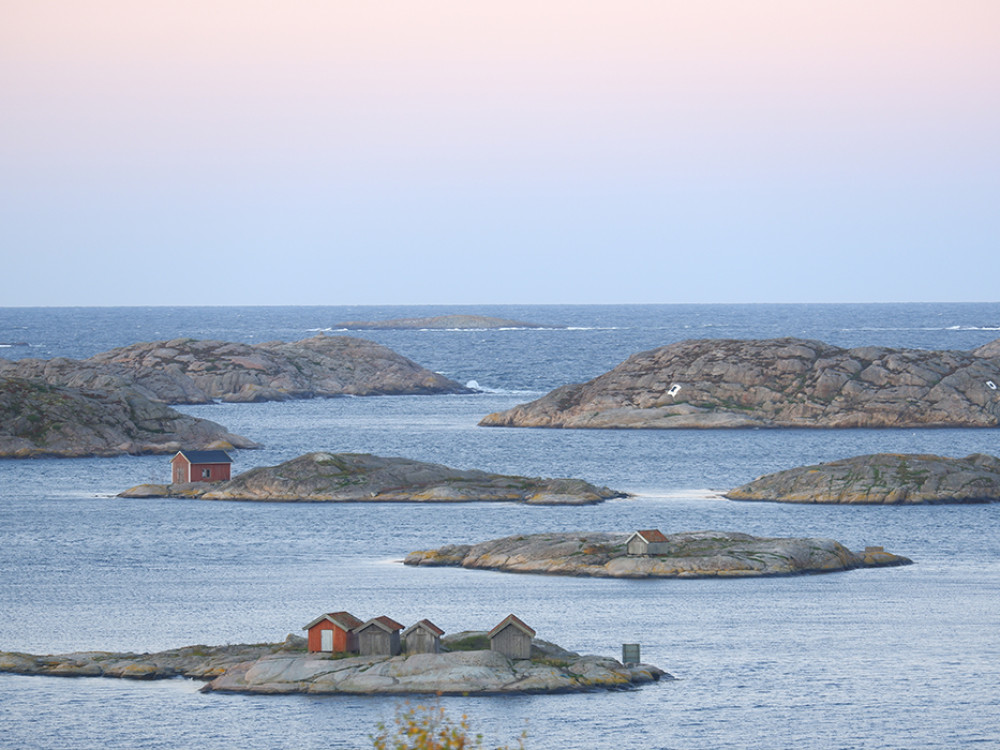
458, 152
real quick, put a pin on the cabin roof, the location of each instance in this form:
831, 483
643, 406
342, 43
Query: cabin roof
343, 620
204, 457
383, 622
517, 623
427, 625
652, 535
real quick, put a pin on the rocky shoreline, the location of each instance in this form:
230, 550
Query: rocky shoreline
39, 420
283, 668
189, 371
362, 477
702, 554
788, 382
882, 478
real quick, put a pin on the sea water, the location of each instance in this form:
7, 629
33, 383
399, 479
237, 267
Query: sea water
887, 658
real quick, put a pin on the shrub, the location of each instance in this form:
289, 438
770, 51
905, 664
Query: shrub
427, 728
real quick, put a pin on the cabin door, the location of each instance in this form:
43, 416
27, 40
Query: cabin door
326, 640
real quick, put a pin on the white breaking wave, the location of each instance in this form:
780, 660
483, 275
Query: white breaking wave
474, 385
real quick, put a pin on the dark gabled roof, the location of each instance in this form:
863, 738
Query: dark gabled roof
652, 535
512, 620
205, 457
386, 623
426, 624
343, 620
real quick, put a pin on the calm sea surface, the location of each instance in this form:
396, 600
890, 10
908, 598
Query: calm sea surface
895, 658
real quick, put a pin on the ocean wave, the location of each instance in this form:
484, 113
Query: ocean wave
920, 328
691, 494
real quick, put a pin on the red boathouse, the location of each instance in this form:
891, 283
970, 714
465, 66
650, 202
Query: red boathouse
332, 633
200, 466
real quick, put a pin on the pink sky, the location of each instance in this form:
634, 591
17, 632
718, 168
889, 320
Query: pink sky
530, 132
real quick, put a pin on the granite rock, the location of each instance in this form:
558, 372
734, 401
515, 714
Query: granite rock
882, 478
37, 419
776, 383
699, 554
362, 477
282, 668
189, 371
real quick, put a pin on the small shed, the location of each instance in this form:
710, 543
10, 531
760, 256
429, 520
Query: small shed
423, 637
379, 637
647, 542
333, 633
200, 466
512, 638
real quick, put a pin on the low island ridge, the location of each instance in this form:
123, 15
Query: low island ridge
438, 323
362, 477
881, 478
465, 667
191, 371
698, 554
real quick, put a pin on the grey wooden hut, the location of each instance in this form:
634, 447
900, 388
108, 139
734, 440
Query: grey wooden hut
512, 638
423, 637
379, 637
647, 542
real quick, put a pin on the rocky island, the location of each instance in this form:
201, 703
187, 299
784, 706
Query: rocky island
38, 420
189, 371
362, 477
882, 478
282, 668
699, 554
784, 382
437, 322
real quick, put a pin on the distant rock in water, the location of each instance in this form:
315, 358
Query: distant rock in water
362, 477
698, 554
882, 478
443, 322
37, 419
188, 371
776, 383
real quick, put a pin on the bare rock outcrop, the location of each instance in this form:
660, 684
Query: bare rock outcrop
698, 554
37, 419
197, 662
282, 668
189, 371
776, 383
882, 478
438, 322
362, 477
